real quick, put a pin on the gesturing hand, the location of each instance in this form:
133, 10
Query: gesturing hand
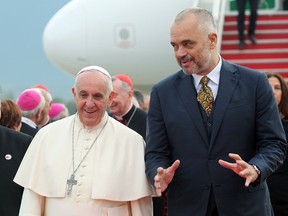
164, 177
241, 168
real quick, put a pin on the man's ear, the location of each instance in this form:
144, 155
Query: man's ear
73, 91
39, 115
131, 93
111, 97
213, 40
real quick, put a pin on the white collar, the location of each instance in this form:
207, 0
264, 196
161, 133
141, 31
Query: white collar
214, 75
28, 122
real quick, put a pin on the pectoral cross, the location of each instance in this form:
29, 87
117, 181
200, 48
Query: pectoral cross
70, 183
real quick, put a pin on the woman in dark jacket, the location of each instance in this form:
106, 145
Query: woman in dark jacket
278, 181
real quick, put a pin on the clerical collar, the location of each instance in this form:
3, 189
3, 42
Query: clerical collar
126, 119
123, 116
100, 125
130, 112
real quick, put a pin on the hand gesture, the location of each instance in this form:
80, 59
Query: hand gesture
164, 177
241, 168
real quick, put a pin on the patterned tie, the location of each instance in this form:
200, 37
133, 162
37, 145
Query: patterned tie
205, 96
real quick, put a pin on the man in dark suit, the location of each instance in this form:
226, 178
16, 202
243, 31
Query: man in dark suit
212, 157
13, 146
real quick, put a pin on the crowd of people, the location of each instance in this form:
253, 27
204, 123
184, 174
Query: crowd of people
210, 139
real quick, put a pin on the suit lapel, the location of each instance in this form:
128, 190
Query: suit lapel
187, 94
229, 79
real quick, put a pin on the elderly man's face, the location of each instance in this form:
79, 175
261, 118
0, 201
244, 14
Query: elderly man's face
121, 103
91, 97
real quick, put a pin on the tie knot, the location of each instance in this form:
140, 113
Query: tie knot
204, 80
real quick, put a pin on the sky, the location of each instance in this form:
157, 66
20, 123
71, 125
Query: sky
23, 62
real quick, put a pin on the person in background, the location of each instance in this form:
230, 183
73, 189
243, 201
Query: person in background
10, 115
241, 5
122, 107
142, 99
98, 163
145, 106
135, 102
31, 103
123, 110
214, 132
13, 146
139, 97
277, 182
58, 111
48, 100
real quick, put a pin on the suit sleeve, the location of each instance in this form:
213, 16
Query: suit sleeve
157, 153
271, 140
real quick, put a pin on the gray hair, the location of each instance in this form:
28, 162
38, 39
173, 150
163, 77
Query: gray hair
205, 19
30, 113
63, 114
47, 96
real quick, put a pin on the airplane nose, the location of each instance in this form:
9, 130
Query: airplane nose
64, 38
119, 35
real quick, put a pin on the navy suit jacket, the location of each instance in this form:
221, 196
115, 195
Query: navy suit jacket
27, 129
13, 146
245, 121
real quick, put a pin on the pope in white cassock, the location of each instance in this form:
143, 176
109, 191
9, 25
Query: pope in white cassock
88, 163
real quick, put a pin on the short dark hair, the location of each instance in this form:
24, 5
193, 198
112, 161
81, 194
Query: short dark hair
139, 96
283, 105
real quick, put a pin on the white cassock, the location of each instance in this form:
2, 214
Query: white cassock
111, 179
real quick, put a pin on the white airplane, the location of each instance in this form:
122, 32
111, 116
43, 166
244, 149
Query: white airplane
123, 36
